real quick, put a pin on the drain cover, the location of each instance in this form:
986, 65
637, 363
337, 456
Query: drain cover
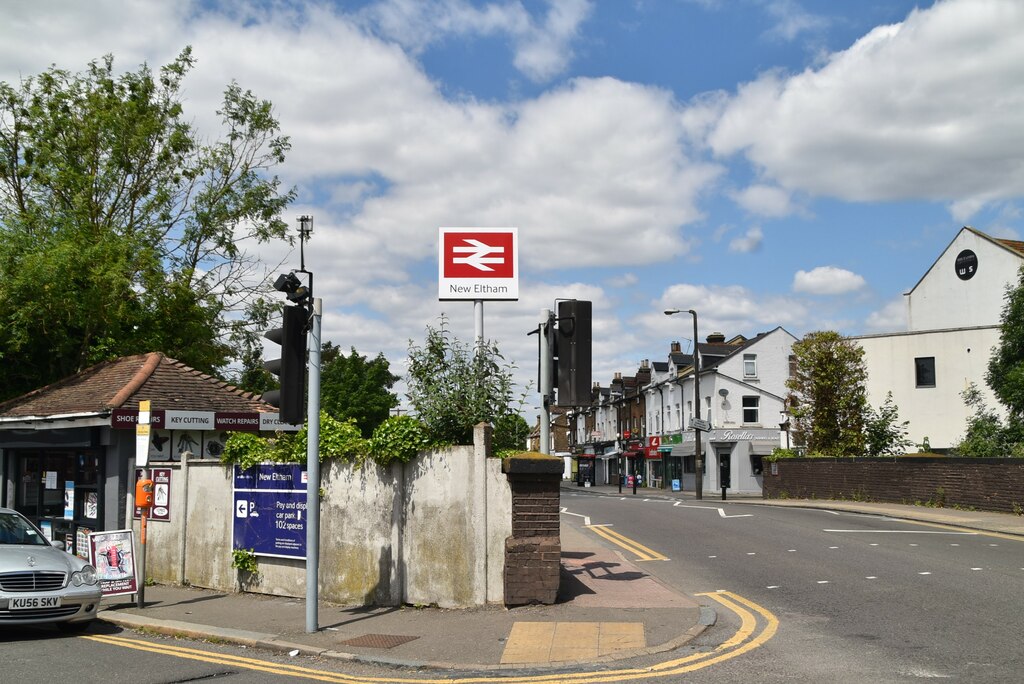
379, 640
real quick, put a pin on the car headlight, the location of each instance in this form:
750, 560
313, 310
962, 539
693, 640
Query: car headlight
87, 575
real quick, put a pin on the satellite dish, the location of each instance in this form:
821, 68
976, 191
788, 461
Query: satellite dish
723, 392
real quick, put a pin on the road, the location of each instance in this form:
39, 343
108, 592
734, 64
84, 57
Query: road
858, 598
804, 595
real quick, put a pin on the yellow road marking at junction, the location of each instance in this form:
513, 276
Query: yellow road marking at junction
746, 639
642, 552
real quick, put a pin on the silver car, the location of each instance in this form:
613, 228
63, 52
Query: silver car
40, 582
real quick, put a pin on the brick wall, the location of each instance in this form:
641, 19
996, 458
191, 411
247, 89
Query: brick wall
533, 552
989, 484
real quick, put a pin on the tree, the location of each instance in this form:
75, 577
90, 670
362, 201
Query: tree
351, 387
831, 398
986, 436
884, 434
121, 230
510, 433
452, 387
1006, 367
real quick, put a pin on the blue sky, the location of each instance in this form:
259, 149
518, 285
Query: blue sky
766, 162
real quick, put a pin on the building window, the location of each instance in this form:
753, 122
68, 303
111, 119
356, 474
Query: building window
750, 365
792, 365
924, 371
750, 409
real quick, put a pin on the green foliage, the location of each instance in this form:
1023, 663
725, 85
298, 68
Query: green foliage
986, 436
247, 449
884, 434
1006, 367
120, 226
339, 440
452, 386
778, 454
510, 433
830, 396
244, 560
399, 438
353, 387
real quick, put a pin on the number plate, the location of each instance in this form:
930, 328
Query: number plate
30, 602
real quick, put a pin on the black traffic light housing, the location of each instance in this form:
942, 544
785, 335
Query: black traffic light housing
574, 352
291, 367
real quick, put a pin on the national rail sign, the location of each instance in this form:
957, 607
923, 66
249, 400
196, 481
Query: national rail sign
478, 263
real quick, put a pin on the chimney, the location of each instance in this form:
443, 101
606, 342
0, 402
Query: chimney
675, 348
716, 338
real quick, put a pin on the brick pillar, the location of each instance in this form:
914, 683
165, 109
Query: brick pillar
533, 552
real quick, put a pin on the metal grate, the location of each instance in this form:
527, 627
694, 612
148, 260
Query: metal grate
379, 640
37, 613
32, 581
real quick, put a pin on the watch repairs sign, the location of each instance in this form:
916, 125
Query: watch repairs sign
270, 509
478, 263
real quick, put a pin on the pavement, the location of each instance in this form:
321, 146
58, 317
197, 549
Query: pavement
608, 608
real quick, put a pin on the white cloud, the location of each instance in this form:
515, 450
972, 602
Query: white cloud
890, 318
765, 200
750, 242
791, 20
543, 49
731, 310
827, 280
925, 109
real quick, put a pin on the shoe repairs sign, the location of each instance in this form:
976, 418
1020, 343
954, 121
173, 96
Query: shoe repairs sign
270, 509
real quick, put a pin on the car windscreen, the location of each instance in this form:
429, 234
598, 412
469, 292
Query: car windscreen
14, 529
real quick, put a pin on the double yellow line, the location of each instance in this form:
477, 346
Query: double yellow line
757, 626
642, 552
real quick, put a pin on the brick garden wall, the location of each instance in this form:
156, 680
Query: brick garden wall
533, 552
989, 484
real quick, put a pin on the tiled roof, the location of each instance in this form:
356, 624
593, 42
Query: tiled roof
1014, 245
121, 383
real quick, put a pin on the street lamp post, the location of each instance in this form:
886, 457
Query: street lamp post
696, 402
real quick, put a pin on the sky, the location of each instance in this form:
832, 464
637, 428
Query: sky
794, 163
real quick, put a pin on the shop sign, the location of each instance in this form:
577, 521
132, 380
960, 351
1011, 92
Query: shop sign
270, 509
205, 421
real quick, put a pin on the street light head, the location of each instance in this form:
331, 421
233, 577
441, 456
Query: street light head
669, 312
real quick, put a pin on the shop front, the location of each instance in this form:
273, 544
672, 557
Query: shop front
68, 451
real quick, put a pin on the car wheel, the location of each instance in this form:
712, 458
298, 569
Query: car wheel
73, 627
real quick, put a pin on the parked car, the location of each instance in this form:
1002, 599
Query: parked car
41, 583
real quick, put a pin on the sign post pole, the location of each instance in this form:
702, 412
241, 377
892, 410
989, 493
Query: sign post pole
142, 460
313, 473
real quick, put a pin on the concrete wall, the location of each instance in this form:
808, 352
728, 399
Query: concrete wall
990, 484
431, 531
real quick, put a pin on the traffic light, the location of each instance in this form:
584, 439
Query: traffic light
291, 367
574, 352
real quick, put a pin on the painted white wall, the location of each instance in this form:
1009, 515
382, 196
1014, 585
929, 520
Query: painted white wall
942, 300
961, 357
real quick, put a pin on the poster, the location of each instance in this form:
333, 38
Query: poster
82, 542
270, 510
112, 553
92, 505
161, 510
69, 500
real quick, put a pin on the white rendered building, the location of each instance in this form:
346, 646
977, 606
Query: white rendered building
953, 315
